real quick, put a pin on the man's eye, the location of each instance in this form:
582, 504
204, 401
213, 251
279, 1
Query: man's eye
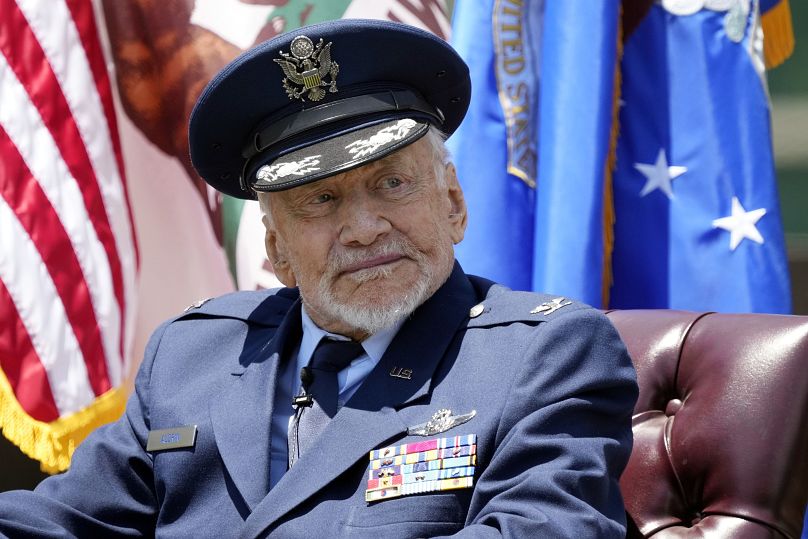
391, 182
322, 198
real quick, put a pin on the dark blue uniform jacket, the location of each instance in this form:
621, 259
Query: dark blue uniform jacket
553, 395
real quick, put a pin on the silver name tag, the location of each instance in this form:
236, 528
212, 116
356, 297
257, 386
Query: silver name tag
176, 438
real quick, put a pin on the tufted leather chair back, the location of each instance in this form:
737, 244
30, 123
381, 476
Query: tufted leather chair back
721, 424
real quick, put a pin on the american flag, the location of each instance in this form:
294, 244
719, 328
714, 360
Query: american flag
68, 255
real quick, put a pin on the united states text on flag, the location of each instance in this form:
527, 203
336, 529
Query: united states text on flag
533, 154
68, 258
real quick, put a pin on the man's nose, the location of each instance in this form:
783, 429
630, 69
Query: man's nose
363, 220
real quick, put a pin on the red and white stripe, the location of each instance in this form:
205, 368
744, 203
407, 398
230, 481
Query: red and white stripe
68, 258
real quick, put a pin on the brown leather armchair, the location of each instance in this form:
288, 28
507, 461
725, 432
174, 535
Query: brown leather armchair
721, 424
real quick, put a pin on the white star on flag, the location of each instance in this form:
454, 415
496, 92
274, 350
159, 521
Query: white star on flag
659, 175
741, 224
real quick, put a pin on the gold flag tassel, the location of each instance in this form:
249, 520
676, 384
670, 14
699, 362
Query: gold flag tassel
52, 444
778, 34
611, 163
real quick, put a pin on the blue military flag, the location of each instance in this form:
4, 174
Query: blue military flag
688, 215
533, 151
697, 214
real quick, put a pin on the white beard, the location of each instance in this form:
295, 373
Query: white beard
372, 319
380, 314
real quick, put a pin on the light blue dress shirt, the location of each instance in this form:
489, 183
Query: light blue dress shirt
288, 383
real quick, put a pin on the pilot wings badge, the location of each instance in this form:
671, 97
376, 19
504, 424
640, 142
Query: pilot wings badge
306, 69
441, 421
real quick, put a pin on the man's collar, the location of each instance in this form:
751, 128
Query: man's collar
374, 346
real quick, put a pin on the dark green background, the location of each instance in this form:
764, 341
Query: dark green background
788, 84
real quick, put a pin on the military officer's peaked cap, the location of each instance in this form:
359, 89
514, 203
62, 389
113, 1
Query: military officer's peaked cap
321, 100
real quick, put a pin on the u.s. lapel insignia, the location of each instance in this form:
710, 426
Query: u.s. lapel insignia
441, 421
401, 372
549, 307
306, 69
427, 466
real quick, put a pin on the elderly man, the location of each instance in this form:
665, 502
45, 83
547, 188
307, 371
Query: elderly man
384, 393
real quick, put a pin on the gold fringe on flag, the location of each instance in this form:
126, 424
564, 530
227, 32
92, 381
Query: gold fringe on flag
52, 444
778, 34
611, 162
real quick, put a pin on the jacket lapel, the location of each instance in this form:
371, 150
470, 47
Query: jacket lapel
370, 418
242, 414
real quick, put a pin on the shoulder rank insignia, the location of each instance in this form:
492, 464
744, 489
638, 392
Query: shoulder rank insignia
549, 307
306, 68
197, 304
441, 421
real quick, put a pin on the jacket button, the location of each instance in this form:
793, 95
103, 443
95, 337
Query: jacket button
673, 406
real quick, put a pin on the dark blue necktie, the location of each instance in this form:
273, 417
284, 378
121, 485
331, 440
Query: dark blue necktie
320, 381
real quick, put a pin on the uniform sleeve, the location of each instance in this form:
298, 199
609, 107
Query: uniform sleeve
564, 438
109, 488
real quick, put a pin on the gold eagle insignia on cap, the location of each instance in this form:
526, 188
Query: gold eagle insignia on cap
306, 69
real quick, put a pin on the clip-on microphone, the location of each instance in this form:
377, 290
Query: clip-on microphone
305, 400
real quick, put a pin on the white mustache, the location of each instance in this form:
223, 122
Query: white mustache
340, 260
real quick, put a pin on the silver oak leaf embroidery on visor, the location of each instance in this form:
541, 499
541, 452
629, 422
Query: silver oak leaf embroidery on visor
363, 147
277, 171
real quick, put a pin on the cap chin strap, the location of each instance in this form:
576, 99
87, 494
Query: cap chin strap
366, 104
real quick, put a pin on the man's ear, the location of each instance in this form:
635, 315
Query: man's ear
458, 214
277, 254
